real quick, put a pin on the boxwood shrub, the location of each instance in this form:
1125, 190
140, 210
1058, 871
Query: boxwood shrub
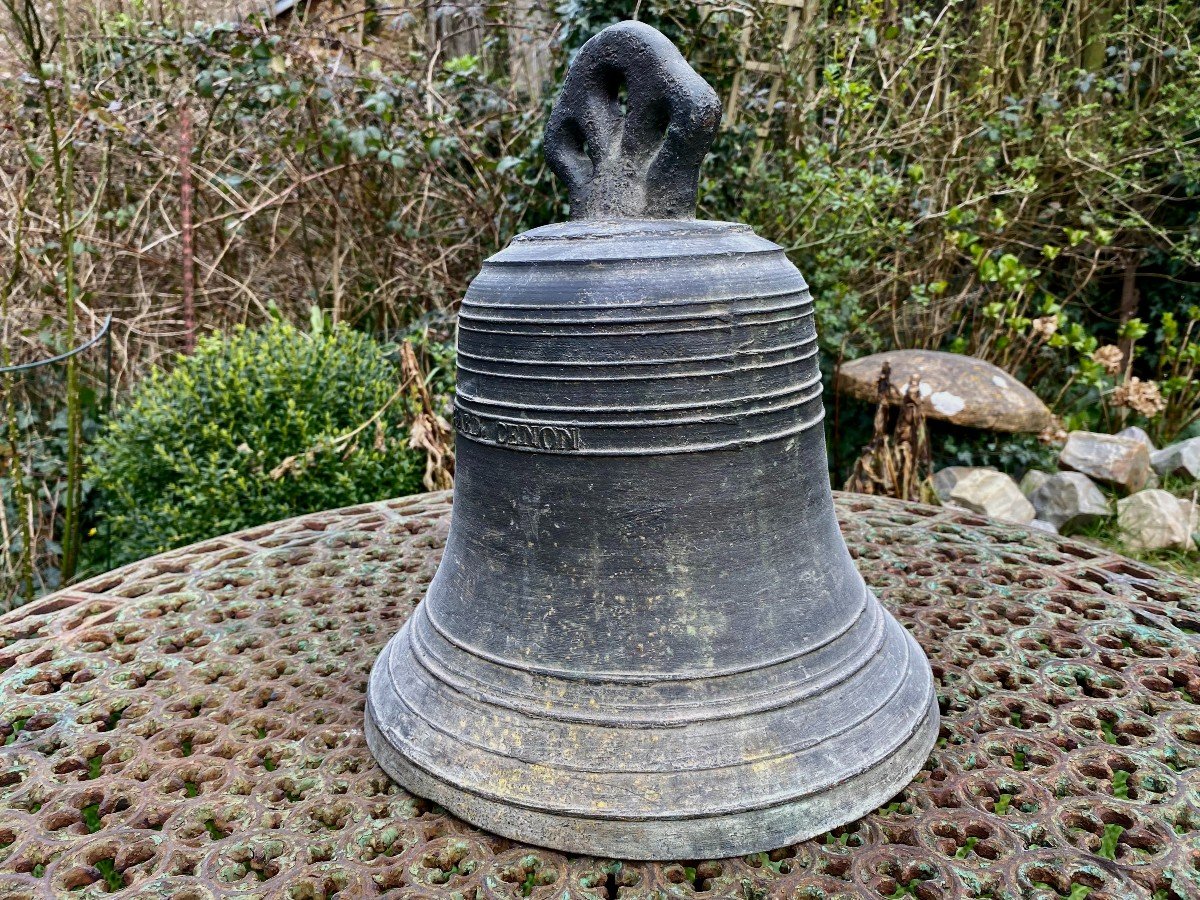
256, 425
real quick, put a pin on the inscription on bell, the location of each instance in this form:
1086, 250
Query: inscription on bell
516, 434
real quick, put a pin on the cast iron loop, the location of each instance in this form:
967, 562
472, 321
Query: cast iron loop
642, 162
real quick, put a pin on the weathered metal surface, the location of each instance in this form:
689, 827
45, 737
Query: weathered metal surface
195, 720
955, 388
646, 639
631, 127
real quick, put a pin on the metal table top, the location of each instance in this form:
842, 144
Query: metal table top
190, 726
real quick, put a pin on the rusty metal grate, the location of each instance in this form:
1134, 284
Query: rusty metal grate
190, 727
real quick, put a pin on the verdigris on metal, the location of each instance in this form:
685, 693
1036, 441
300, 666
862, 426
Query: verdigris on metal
646, 638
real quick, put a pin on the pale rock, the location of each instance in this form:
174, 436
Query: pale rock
1182, 459
1043, 526
944, 480
1191, 515
1119, 461
957, 388
1154, 520
991, 493
1069, 500
1032, 480
1134, 433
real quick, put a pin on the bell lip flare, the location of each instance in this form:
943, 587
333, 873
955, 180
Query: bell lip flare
800, 803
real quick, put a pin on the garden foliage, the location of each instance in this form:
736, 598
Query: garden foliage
258, 425
33, 481
1017, 180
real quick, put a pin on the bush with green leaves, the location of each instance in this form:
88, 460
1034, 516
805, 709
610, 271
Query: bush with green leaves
255, 426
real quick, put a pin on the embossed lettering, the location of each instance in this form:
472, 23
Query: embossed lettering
468, 423
516, 434
541, 437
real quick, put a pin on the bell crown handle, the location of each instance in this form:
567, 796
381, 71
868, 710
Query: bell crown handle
642, 162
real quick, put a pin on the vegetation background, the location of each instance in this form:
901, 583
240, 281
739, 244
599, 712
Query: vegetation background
1018, 180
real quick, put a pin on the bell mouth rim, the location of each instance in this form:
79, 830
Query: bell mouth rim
722, 833
407, 670
454, 744
930, 713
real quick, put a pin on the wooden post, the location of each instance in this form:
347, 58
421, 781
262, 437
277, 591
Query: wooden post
798, 12
528, 47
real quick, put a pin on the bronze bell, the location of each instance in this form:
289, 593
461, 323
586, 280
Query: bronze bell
646, 638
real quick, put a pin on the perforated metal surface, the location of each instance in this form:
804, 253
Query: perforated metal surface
191, 726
